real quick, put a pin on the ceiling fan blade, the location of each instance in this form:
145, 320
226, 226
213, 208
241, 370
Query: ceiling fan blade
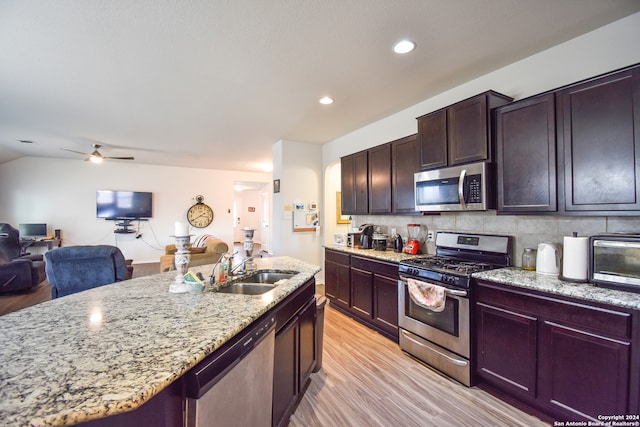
118, 158
74, 151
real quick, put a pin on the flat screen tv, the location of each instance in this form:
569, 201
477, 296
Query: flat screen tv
124, 204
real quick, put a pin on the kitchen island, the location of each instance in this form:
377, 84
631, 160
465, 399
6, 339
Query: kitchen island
111, 349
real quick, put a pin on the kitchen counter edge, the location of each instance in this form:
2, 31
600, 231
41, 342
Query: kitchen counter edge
388, 255
551, 284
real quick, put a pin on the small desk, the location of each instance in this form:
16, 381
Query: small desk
49, 243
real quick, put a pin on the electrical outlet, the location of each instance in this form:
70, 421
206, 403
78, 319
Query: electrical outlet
430, 236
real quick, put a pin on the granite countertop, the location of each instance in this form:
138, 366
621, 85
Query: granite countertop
388, 255
110, 349
517, 277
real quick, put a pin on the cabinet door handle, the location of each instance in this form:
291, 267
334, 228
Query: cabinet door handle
615, 244
448, 291
461, 188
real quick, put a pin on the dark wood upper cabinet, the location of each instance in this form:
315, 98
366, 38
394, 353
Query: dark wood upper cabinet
405, 162
526, 155
380, 179
432, 136
599, 123
460, 133
355, 183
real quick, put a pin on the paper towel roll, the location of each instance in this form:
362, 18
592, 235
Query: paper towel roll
575, 258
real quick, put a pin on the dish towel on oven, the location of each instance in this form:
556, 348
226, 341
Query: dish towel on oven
427, 295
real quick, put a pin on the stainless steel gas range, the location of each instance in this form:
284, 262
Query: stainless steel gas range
442, 339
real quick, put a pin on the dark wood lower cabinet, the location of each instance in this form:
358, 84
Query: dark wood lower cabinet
507, 344
568, 359
587, 374
295, 359
385, 303
372, 286
362, 292
285, 379
337, 277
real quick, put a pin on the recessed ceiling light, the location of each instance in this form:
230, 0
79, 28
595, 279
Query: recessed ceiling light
326, 100
404, 46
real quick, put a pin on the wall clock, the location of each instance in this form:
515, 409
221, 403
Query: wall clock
200, 215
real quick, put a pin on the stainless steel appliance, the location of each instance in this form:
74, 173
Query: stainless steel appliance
614, 261
458, 188
442, 339
219, 388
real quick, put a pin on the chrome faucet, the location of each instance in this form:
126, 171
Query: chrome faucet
243, 265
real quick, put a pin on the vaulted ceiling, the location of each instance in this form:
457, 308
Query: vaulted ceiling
214, 83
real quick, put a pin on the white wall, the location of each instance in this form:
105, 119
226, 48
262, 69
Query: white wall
62, 193
298, 166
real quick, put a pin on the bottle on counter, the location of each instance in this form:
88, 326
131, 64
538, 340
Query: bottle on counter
529, 259
222, 272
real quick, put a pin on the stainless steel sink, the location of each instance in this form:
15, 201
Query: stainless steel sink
247, 288
257, 284
267, 277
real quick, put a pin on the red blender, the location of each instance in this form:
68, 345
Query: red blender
413, 240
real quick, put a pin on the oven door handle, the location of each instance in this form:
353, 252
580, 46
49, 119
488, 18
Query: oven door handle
452, 292
455, 293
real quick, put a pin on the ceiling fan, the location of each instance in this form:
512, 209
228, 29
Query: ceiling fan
96, 157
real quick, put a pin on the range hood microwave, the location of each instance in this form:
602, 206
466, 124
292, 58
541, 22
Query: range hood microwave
458, 188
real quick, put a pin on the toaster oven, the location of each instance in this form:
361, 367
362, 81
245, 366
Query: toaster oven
614, 261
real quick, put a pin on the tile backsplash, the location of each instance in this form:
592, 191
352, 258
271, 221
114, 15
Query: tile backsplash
528, 230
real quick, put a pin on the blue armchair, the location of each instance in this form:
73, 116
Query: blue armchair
73, 269
17, 273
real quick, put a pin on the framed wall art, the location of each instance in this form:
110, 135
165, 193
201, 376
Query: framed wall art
340, 219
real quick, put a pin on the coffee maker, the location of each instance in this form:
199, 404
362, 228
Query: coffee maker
366, 236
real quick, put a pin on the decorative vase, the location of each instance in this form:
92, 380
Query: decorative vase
182, 257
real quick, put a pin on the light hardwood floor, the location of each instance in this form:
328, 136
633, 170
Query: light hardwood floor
366, 380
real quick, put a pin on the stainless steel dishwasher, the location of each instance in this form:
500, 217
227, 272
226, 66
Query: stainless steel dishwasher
234, 386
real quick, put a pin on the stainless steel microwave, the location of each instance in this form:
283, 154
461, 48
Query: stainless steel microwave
614, 261
457, 188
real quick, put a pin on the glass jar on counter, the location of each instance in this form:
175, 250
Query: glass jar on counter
529, 256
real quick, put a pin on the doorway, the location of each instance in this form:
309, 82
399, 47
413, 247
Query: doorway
252, 208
